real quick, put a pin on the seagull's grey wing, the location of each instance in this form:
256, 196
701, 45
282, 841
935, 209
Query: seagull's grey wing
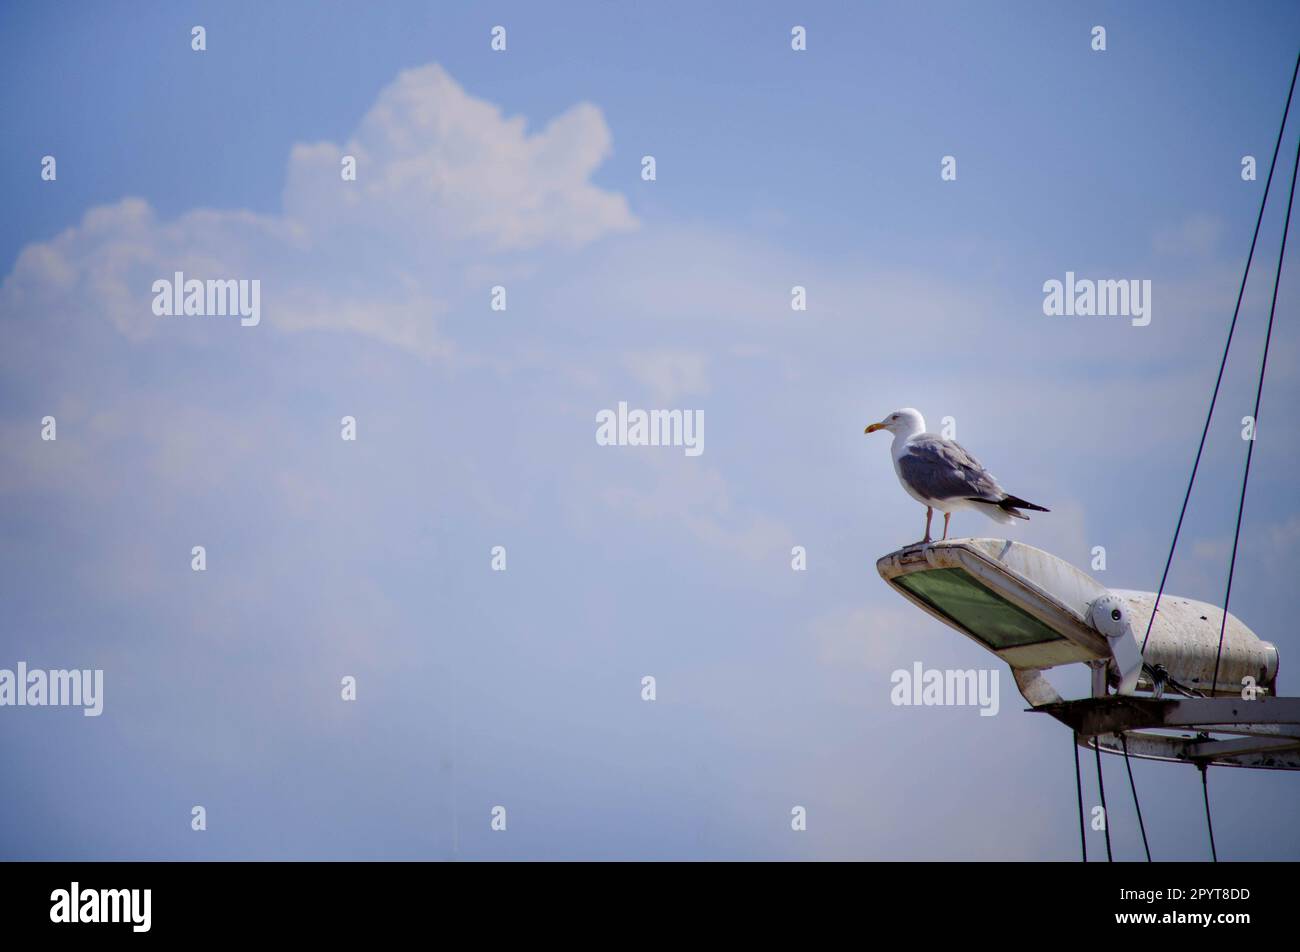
941, 469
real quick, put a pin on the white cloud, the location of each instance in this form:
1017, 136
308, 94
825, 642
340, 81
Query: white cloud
669, 374
1196, 236
438, 167
1286, 535
682, 492
445, 184
876, 637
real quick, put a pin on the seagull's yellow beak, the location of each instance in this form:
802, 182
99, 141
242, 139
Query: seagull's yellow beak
874, 427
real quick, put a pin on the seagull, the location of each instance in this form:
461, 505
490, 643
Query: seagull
941, 475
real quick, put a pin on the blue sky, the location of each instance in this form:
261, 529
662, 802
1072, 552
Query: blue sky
478, 688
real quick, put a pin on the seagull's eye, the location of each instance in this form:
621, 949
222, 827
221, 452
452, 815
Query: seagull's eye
1114, 613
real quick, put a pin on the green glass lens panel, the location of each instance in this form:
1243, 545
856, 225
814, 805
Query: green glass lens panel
969, 605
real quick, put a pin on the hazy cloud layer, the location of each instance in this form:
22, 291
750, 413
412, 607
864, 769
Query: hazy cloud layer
476, 429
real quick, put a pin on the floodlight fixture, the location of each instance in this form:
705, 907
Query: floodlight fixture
1036, 611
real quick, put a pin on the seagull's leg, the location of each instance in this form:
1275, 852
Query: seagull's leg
946, 516
929, 514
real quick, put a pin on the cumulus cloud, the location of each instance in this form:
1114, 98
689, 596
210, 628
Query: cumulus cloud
445, 185
437, 166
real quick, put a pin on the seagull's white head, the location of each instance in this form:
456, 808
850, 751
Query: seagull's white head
905, 421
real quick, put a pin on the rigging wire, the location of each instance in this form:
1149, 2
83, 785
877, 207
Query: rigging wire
1136, 805
1245, 477
1205, 790
1259, 393
1105, 814
1236, 311
1078, 786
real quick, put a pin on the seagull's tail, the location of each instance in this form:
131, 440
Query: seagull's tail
1011, 503
1005, 510
996, 511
